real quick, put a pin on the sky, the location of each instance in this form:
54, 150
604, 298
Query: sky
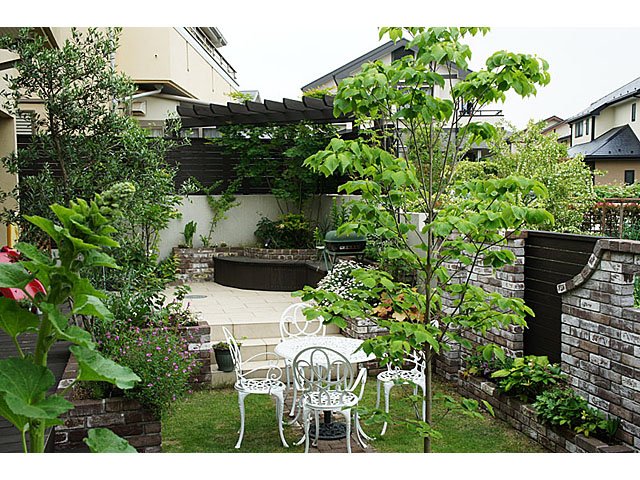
277, 46
585, 63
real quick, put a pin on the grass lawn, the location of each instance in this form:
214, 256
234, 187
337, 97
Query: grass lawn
208, 421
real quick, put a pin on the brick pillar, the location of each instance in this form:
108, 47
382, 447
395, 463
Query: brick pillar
601, 334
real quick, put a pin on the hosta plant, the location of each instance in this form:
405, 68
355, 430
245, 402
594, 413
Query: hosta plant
82, 232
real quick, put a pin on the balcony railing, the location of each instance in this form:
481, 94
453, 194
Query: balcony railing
206, 43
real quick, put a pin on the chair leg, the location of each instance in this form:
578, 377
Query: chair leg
241, 397
295, 397
305, 417
424, 401
387, 388
359, 432
377, 394
279, 413
317, 423
347, 416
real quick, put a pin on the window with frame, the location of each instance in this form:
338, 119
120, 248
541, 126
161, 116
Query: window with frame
629, 177
578, 129
586, 126
633, 112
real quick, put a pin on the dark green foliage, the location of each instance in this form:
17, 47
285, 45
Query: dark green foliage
275, 154
290, 231
478, 365
528, 376
188, 233
564, 407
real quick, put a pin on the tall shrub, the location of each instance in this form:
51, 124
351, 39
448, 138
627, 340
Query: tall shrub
466, 231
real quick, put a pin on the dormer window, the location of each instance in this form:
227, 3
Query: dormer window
578, 129
633, 112
586, 126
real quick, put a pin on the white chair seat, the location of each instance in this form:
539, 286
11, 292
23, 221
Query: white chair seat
330, 400
252, 385
395, 375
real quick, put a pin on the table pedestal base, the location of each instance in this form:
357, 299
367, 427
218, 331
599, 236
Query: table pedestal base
329, 431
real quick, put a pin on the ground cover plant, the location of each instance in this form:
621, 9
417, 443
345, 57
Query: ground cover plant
406, 165
192, 427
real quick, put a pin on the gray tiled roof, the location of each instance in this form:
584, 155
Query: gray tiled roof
377, 53
616, 143
630, 89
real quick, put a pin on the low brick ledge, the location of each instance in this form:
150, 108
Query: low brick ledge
123, 416
523, 418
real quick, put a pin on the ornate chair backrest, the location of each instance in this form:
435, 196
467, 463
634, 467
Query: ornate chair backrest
234, 348
273, 372
416, 359
293, 323
322, 370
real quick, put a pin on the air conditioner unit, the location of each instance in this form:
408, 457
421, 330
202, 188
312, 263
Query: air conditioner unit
139, 108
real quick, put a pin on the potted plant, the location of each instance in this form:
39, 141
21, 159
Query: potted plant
223, 356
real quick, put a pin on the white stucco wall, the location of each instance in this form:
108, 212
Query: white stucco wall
237, 229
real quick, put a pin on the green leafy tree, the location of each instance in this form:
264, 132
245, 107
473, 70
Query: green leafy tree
465, 231
530, 154
274, 154
82, 231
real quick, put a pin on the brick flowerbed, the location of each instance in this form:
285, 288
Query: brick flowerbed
124, 417
199, 339
523, 418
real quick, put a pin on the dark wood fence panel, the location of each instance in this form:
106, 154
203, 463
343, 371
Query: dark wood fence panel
207, 163
550, 258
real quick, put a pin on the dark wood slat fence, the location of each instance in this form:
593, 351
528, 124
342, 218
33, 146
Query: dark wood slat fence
550, 258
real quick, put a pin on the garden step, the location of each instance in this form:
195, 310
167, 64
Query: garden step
244, 330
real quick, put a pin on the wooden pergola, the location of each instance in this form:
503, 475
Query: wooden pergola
315, 110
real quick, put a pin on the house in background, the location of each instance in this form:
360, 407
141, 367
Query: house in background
390, 52
168, 65
560, 127
607, 133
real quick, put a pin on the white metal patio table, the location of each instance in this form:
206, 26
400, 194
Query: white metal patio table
349, 347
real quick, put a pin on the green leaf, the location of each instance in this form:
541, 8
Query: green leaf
96, 258
13, 275
34, 253
19, 421
103, 440
23, 384
94, 367
45, 225
14, 319
60, 323
93, 306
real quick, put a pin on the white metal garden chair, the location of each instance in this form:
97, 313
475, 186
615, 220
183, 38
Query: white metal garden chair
246, 384
328, 382
293, 323
398, 376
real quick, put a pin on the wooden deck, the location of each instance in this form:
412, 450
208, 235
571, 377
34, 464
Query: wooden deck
10, 438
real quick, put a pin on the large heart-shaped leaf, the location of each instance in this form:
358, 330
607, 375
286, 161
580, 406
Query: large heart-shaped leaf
91, 305
13, 275
22, 385
96, 258
103, 440
14, 319
19, 421
94, 367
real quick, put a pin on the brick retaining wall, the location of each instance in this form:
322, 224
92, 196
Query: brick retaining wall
199, 336
125, 417
523, 418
